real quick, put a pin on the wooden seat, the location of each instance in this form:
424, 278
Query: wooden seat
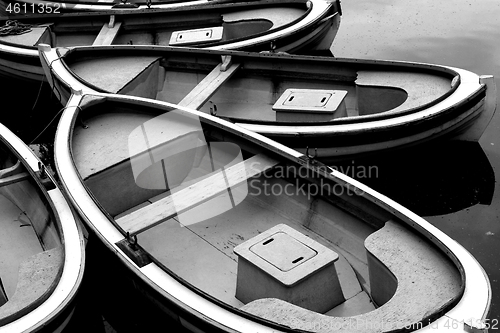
415, 280
216, 183
108, 33
37, 35
210, 84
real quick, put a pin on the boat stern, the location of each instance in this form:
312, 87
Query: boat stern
475, 132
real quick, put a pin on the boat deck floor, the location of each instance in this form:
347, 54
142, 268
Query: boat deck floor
202, 253
18, 241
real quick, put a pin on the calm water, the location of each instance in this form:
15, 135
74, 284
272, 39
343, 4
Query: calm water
452, 184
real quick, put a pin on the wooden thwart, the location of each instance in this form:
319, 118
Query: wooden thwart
150, 215
108, 33
209, 85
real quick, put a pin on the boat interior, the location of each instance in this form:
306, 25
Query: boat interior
208, 27
253, 231
266, 90
31, 254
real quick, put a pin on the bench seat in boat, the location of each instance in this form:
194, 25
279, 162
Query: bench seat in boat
153, 213
132, 75
37, 275
421, 88
108, 33
425, 283
37, 35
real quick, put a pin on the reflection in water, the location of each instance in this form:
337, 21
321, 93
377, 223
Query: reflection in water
463, 34
429, 180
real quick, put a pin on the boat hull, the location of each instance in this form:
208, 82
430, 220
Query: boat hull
314, 31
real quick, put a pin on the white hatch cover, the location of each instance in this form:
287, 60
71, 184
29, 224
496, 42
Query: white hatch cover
184, 37
310, 100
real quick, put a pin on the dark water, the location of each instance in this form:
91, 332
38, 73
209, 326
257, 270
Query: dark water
451, 184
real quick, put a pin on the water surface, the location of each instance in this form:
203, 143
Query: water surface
451, 185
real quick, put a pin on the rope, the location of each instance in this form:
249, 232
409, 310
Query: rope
13, 27
50, 123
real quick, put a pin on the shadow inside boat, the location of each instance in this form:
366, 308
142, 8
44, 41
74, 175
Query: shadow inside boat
431, 179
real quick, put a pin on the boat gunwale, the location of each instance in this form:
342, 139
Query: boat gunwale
153, 276
155, 11
45, 309
99, 6
74, 6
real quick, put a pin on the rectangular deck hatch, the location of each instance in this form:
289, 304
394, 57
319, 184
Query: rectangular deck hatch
310, 105
312, 100
272, 248
185, 37
283, 263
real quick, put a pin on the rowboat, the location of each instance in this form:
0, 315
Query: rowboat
337, 107
226, 230
42, 250
268, 25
